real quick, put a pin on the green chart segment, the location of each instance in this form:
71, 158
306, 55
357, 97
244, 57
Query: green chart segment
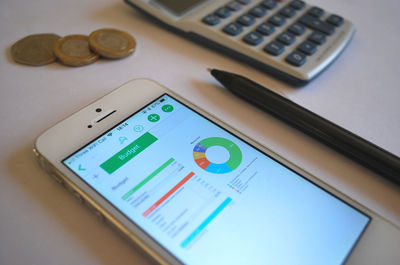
199, 155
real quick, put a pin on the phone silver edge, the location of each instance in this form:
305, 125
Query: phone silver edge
388, 234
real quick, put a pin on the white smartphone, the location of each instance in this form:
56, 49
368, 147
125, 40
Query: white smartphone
189, 189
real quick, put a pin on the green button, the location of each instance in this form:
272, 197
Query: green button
127, 153
167, 108
153, 117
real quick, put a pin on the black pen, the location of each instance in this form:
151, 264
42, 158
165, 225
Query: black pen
343, 141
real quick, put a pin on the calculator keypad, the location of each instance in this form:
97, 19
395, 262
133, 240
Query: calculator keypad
274, 48
269, 4
277, 20
297, 4
223, 12
234, 5
287, 11
290, 31
233, 29
307, 47
258, 11
296, 58
253, 38
317, 37
316, 12
266, 28
297, 29
246, 20
317, 24
286, 38
335, 20
211, 19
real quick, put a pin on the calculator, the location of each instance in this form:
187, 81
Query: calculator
289, 39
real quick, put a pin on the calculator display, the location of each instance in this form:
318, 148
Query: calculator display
178, 6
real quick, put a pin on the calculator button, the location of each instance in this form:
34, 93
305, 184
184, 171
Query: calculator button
258, 11
211, 19
316, 12
246, 20
253, 38
234, 5
265, 28
296, 58
335, 20
286, 38
269, 4
297, 29
317, 37
244, 2
297, 4
223, 12
277, 20
307, 47
274, 48
233, 29
317, 24
287, 11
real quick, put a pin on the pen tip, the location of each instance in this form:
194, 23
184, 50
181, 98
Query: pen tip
209, 69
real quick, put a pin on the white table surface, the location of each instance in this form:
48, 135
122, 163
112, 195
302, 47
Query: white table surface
41, 223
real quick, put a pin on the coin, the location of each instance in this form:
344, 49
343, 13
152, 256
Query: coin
112, 43
35, 49
73, 50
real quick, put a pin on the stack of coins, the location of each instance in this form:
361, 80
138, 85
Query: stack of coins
73, 50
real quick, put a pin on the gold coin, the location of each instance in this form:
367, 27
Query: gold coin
73, 50
35, 49
112, 43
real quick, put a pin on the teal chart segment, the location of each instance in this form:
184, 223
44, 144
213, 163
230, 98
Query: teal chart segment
199, 155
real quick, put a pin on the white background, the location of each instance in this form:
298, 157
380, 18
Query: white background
42, 224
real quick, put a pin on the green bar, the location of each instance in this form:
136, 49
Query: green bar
129, 152
138, 186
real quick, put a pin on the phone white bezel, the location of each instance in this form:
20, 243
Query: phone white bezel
379, 241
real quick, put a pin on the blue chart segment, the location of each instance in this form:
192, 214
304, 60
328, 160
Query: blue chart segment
199, 155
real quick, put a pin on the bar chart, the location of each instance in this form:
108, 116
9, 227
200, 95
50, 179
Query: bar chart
172, 198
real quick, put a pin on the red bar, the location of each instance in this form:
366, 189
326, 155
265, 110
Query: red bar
169, 193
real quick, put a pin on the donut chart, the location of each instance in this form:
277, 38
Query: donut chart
199, 155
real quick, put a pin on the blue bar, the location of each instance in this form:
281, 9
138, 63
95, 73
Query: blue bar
205, 222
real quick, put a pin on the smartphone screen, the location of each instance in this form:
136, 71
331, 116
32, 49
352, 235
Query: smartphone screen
209, 197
